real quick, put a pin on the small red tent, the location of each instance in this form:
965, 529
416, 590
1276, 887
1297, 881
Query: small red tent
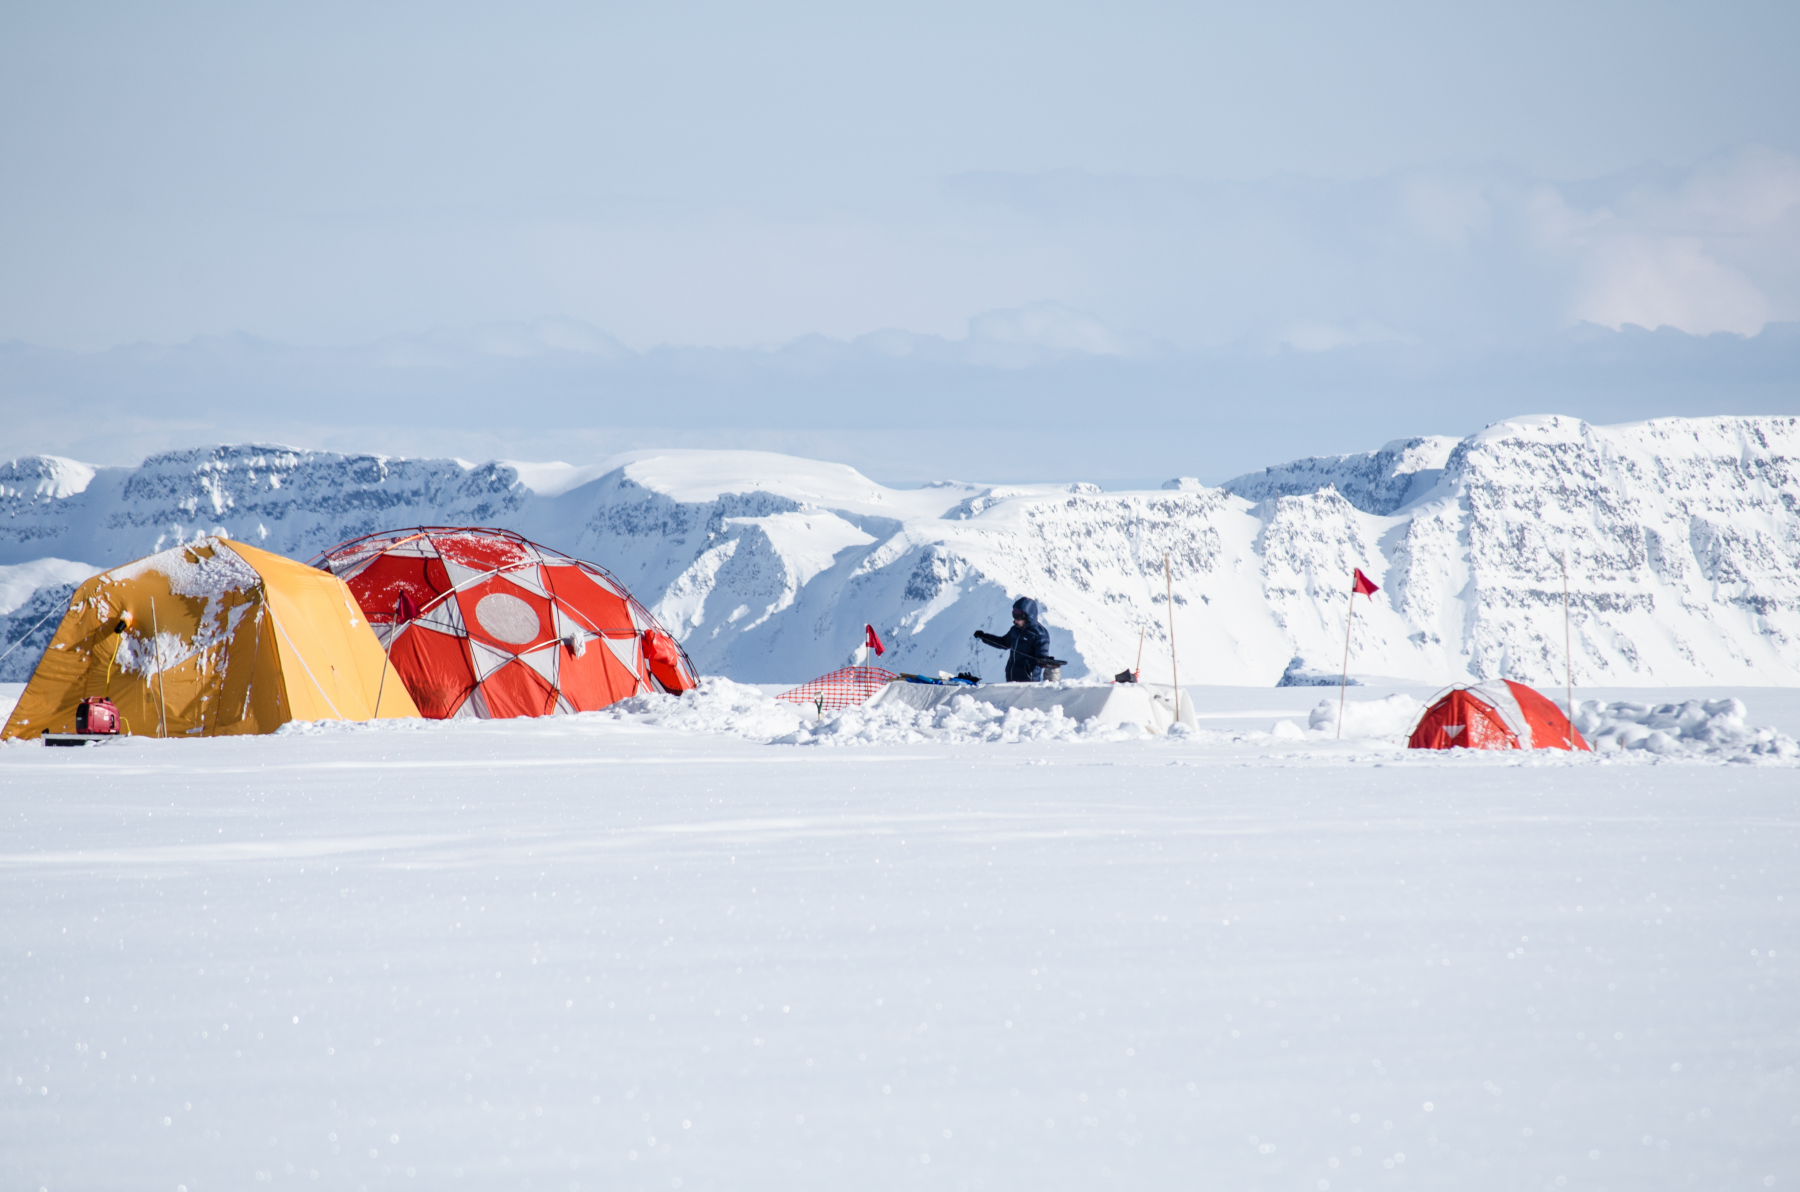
484, 623
1502, 715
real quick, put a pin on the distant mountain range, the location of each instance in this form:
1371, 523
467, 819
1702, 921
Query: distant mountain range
1682, 539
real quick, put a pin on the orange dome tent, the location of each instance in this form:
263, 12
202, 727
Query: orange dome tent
483, 623
211, 638
1502, 715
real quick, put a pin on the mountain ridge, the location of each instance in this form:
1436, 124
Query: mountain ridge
1682, 538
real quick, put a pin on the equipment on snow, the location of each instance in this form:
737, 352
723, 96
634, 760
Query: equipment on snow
95, 720
97, 717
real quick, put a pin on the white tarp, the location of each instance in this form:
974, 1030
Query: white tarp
1149, 704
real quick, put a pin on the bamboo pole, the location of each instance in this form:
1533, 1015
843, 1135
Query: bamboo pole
1174, 667
162, 688
387, 648
1344, 681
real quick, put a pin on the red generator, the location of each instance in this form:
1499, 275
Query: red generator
96, 717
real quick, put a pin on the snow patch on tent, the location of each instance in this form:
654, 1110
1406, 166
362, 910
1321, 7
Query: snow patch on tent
209, 577
190, 573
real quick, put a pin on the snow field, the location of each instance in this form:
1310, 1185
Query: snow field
601, 952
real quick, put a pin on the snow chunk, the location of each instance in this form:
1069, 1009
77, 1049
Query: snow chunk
1392, 717
716, 706
964, 720
1712, 728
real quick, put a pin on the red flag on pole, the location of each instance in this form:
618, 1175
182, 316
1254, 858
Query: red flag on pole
1363, 585
874, 642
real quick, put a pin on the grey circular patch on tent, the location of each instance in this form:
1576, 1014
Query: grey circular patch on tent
507, 618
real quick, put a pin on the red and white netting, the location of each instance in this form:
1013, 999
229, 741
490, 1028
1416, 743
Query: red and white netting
844, 688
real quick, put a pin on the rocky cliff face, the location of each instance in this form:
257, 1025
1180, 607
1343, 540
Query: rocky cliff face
1378, 482
1682, 540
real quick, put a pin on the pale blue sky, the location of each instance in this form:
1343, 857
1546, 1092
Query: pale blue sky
1121, 182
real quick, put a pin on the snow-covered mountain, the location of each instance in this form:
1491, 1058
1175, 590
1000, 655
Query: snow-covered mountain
1682, 538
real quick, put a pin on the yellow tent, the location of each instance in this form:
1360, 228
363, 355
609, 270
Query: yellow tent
211, 639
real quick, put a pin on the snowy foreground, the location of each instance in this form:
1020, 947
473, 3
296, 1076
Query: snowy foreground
620, 951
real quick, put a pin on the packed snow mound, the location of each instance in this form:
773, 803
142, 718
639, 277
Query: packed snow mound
717, 705
964, 721
723, 707
1703, 728
1391, 718
1714, 729
1710, 729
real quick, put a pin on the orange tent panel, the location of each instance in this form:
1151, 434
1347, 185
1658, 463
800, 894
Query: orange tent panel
211, 638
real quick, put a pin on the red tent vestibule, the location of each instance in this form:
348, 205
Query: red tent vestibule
483, 623
1502, 715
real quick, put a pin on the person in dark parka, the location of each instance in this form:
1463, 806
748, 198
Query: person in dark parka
1028, 640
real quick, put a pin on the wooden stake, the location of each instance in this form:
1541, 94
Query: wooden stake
1345, 680
1174, 668
162, 688
1137, 672
386, 649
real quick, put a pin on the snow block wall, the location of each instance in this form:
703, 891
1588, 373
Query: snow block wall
1682, 538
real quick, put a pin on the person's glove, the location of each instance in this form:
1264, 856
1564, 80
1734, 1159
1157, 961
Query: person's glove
980, 634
